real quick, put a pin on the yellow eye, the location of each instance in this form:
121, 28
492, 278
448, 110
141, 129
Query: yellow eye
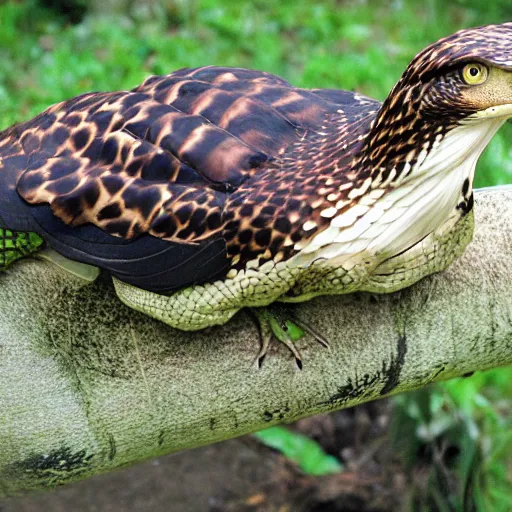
474, 73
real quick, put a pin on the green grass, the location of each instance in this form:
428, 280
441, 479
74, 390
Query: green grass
459, 436
347, 45
363, 45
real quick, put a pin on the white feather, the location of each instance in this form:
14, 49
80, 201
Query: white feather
395, 220
350, 216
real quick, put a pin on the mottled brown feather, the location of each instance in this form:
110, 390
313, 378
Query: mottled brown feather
162, 159
234, 154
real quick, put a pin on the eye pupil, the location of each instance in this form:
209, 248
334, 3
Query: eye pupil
474, 73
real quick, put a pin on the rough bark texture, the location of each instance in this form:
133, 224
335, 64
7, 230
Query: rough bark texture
88, 385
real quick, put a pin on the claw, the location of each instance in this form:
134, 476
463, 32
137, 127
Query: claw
265, 343
279, 322
313, 332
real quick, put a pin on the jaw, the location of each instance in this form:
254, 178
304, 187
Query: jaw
503, 112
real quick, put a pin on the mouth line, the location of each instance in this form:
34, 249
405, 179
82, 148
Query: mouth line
495, 112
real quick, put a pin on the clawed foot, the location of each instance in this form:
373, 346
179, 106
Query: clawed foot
279, 322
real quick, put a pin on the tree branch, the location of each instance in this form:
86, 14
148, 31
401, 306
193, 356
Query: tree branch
88, 385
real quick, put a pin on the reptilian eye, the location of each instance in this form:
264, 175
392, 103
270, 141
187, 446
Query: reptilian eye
475, 73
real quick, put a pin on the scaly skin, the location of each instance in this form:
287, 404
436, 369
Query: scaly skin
16, 244
276, 192
201, 306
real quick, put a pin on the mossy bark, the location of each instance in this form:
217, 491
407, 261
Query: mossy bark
88, 385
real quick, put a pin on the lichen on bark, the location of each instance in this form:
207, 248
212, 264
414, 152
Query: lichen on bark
88, 385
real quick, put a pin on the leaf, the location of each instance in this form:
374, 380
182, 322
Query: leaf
305, 452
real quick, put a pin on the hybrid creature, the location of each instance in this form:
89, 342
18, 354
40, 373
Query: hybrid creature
213, 189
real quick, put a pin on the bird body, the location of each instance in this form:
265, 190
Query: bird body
211, 189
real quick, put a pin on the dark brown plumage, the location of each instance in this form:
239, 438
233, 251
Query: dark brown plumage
203, 170
166, 158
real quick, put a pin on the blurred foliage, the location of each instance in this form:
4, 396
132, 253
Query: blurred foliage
51, 50
74, 10
363, 45
305, 452
457, 440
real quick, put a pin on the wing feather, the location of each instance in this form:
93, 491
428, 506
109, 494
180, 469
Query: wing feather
120, 179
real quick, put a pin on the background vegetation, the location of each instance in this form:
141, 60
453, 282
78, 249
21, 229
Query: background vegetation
51, 50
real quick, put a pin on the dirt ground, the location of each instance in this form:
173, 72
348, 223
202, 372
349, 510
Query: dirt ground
243, 475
